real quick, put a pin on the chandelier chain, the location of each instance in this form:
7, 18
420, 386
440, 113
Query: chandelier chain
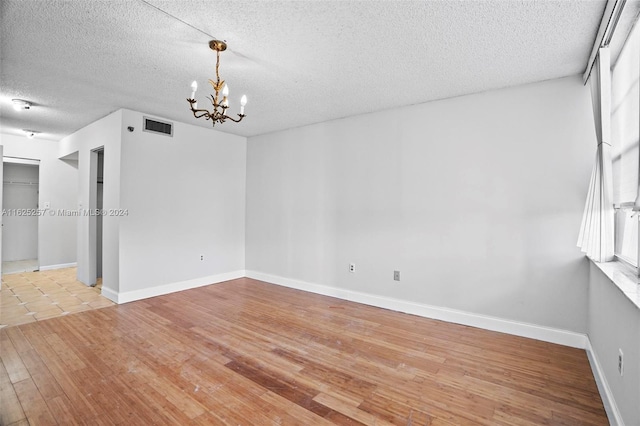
217, 75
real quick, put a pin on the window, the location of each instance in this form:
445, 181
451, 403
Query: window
625, 135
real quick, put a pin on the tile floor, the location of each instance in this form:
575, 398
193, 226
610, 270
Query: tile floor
35, 296
14, 266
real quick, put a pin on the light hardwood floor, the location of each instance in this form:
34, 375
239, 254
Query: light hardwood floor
250, 353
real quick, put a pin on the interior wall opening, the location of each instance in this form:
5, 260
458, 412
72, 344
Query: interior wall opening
21, 207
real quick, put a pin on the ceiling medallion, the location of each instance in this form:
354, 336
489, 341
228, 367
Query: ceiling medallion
219, 112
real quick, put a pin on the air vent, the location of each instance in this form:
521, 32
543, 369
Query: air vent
155, 126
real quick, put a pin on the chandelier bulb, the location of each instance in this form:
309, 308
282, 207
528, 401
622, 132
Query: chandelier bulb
225, 91
194, 87
243, 102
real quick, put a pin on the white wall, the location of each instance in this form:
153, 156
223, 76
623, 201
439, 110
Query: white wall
20, 236
477, 200
58, 185
185, 197
107, 133
614, 323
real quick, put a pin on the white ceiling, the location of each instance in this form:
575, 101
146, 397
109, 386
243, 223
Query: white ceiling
298, 62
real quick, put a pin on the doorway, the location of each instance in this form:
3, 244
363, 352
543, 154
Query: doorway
20, 191
99, 207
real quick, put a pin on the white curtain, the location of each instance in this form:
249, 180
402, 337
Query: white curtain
596, 237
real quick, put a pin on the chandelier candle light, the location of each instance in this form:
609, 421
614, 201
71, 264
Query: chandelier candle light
219, 112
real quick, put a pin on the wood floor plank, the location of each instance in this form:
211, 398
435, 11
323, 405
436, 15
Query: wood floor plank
80, 406
20, 343
16, 370
41, 375
293, 413
247, 352
349, 410
10, 407
65, 352
394, 411
61, 409
34, 406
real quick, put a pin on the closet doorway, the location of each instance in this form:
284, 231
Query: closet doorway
99, 206
20, 193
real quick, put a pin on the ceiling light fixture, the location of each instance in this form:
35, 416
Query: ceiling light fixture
20, 105
219, 112
30, 133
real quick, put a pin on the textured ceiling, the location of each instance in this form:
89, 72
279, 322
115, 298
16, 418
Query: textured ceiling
298, 62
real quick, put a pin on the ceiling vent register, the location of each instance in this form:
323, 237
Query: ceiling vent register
155, 126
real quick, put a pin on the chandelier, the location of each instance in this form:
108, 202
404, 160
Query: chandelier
219, 112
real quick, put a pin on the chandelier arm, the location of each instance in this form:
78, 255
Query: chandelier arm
203, 113
238, 120
197, 113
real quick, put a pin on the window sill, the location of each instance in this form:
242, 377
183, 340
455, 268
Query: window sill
624, 278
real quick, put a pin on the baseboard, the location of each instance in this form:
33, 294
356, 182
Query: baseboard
546, 334
60, 266
145, 293
110, 294
609, 402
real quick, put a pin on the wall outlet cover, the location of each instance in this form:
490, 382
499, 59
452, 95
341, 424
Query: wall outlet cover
620, 362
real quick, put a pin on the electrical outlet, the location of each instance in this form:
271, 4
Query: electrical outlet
352, 267
620, 362
396, 275
202, 257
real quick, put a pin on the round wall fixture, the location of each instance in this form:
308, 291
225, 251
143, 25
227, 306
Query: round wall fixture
20, 104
